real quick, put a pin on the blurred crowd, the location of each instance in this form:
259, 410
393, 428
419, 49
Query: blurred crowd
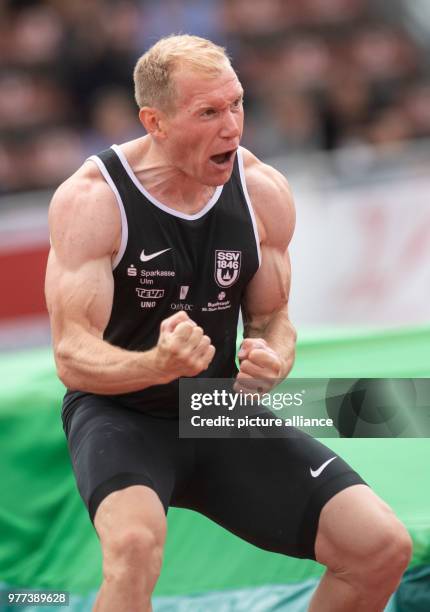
318, 74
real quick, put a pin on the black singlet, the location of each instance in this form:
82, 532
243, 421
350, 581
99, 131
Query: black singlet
170, 261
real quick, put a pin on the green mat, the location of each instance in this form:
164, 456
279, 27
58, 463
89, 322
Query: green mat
47, 540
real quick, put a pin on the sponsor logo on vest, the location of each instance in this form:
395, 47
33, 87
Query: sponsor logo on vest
183, 291
147, 276
227, 267
147, 304
157, 273
221, 304
144, 257
186, 307
131, 271
153, 294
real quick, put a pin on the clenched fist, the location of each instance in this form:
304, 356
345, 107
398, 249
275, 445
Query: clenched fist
182, 348
260, 366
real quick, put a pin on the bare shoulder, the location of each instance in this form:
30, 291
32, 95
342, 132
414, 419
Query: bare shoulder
84, 219
271, 199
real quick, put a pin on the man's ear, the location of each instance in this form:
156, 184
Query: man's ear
153, 120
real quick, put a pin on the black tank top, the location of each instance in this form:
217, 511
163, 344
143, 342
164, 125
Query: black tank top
169, 261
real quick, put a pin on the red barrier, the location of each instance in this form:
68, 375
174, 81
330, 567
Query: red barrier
22, 277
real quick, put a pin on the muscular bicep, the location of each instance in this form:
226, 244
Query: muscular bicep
78, 297
85, 228
268, 292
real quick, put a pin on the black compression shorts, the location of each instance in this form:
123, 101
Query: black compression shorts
260, 489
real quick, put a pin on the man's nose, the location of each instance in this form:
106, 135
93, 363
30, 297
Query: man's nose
230, 126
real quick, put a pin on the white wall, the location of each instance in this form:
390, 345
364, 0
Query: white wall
361, 251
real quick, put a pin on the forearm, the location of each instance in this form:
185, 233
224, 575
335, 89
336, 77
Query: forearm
279, 333
88, 363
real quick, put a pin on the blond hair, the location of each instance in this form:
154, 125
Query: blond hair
153, 82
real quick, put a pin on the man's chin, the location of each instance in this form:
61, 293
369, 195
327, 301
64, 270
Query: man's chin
219, 173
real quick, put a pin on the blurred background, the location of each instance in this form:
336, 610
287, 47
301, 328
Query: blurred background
338, 98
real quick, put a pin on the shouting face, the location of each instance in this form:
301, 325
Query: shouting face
202, 134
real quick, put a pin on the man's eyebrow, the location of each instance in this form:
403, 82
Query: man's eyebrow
239, 94
215, 102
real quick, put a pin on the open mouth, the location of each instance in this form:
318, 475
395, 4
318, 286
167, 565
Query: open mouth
223, 158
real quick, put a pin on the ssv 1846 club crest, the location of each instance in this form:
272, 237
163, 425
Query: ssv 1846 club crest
227, 267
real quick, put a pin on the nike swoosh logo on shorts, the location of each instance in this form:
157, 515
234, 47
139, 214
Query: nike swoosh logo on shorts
316, 473
144, 257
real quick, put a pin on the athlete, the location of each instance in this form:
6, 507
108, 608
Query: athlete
156, 245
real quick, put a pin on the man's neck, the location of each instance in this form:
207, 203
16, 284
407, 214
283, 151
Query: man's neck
164, 181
